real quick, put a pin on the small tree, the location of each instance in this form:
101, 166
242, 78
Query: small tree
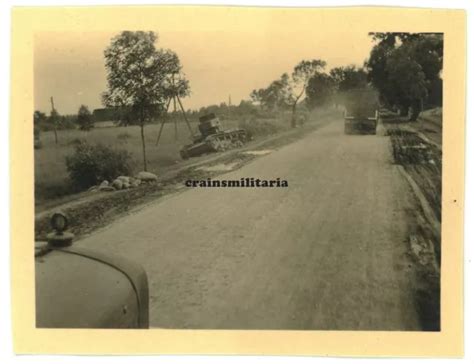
276, 95
300, 77
137, 77
39, 117
258, 96
84, 118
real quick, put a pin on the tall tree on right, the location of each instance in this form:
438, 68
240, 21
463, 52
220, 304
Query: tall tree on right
405, 68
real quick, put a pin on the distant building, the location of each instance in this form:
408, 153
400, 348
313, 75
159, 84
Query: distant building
105, 124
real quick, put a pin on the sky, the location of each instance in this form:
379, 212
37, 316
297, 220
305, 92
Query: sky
69, 66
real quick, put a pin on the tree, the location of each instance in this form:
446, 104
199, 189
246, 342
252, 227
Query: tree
348, 78
345, 79
258, 96
39, 117
84, 118
320, 89
300, 77
407, 80
405, 68
138, 77
277, 94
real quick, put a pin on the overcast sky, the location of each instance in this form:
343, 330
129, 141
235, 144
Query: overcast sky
70, 65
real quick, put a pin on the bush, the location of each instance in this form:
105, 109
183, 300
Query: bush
91, 164
256, 127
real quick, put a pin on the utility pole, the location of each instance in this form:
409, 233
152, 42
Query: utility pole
176, 101
174, 111
53, 117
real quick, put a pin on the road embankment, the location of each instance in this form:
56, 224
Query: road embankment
419, 159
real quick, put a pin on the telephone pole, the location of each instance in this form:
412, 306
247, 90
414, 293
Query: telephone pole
53, 117
176, 102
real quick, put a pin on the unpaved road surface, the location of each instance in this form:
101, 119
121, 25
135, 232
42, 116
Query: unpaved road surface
327, 252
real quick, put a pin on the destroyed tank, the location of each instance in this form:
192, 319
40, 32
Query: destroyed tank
212, 139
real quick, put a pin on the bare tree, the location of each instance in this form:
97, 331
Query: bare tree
300, 77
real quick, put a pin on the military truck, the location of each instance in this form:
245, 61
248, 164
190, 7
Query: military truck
84, 288
212, 139
361, 111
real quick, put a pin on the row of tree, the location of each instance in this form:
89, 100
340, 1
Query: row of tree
309, 79
405, 68
54, 121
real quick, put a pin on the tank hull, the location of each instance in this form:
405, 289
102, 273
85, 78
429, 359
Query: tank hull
218, 142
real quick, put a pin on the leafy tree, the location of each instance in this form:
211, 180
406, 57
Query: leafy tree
39, 117
345, 79
175, 82
407, 80
84, 118
138, 77
348, 78
405, 68
300, 77
277, 94
258, 96
319, 90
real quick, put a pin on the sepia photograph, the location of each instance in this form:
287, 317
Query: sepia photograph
182, 181
238, 174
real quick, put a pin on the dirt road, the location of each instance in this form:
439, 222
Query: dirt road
327, 252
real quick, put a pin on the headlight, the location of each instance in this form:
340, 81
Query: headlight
59, 222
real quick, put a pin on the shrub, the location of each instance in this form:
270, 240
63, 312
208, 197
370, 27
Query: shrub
91, 164
256, 127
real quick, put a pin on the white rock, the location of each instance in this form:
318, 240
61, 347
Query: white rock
104, 183
124, 179
147, 176
135, 183
117, 184
126, 185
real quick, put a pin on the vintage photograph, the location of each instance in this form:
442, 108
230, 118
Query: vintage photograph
238, 179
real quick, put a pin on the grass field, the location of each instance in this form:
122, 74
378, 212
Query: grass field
51, 177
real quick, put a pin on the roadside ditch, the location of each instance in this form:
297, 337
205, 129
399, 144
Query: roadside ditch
420, 162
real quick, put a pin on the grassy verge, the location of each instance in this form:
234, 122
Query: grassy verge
89, 211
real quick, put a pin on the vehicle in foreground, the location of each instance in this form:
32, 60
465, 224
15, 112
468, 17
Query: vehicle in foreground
212, 138
361, 111
83, 288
